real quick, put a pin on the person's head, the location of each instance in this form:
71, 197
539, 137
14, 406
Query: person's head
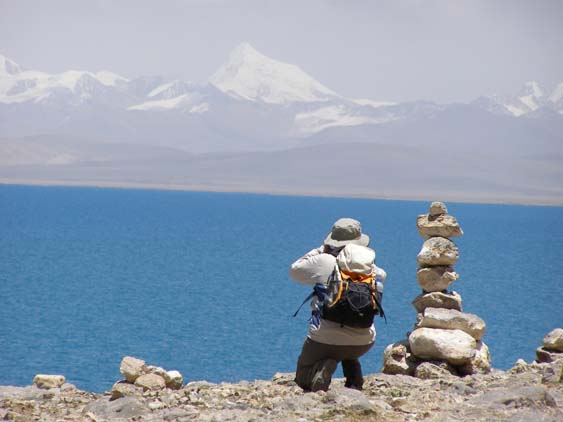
345, 231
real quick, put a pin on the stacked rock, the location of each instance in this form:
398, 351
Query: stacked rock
445, 339
140, 377
552, 348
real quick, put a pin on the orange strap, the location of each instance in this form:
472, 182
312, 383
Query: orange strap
364, 278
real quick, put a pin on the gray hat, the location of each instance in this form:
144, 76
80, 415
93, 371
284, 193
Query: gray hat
344, 232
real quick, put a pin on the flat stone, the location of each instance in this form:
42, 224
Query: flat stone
437, 300
547, 356
554, 340
125, 407
440, 225
438, 208
151, 382
436, 279
48, 381
173, 379
398, 359
429, 370
453, 346
132, 368
452, 319
517, 397
437, 251
480, 363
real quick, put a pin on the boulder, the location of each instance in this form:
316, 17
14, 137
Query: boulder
554, 340
452, 319
48, 381
547, 356
151, 369
437, 300
123, 389
437, 251
478, 364
453, 346
434, 370
436, 279
440, 225
398, 359
173, 379
151, 382
438, 208
552, 373
132, 368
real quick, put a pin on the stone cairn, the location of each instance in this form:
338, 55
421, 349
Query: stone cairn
140, 377
445, 340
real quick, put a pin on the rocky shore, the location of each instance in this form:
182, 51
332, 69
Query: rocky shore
527, 392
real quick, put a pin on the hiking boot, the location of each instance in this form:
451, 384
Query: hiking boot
323, 376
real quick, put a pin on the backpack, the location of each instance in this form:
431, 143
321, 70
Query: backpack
352, 299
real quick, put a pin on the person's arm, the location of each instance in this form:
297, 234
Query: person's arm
313, 267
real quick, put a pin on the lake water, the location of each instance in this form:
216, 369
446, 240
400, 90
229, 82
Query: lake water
198, 282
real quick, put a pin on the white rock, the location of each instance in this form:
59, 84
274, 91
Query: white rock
436, 279
48, 381
438, 208
151, 369
437, 300
132, 368
441, 225
451, 319
554, 340
438, 251
453, 346
173, 379
150, 382
480, 363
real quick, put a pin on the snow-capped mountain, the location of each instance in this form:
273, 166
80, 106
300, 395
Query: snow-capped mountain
251, 99
531, 98
69, 88
250, 75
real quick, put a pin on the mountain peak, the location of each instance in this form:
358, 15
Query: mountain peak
244, 51
8, 67
250, 75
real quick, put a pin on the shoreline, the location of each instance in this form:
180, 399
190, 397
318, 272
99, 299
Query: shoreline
449, 197
526, 392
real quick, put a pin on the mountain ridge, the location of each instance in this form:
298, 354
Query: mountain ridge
145, 115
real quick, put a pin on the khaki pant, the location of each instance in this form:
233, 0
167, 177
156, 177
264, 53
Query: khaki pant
313, 356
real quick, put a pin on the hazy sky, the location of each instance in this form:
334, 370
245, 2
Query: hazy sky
386, 50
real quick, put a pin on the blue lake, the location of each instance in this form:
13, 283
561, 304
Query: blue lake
198, 282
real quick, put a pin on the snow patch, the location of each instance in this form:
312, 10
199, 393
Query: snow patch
109, 78
315, 121
373, 103
201, 108
557, 94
